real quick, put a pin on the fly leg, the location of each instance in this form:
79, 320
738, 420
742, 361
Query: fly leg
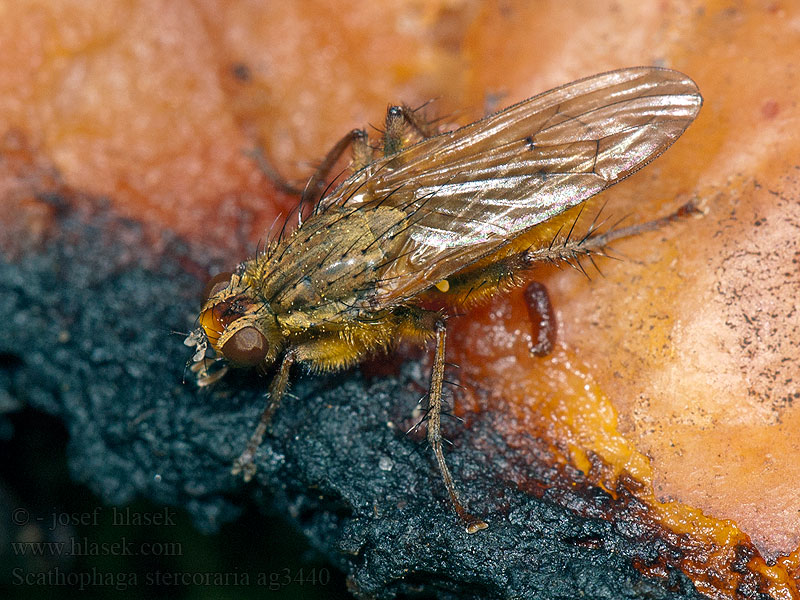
244, 464
362, 156
394, 139
476, 284
572, 250
435, 439
394, 136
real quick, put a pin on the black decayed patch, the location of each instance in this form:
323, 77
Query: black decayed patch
87, 339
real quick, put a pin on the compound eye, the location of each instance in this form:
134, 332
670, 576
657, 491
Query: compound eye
246, 348
217, 283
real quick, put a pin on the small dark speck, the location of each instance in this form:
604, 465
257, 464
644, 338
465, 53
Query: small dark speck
770, 109
53, 199
530, 142
241, 71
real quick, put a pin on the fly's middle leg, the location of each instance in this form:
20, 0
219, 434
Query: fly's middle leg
397, 118
471, 523
484, 282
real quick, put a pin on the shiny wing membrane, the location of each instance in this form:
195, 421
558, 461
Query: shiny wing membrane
466, 193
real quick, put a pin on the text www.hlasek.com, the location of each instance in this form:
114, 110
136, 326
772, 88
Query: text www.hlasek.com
84, 547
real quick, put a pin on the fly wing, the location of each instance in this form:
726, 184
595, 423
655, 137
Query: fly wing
464, 194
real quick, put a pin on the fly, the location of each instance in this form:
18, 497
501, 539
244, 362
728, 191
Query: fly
451, 219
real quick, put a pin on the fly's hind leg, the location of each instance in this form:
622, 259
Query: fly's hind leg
471, 523
478, 283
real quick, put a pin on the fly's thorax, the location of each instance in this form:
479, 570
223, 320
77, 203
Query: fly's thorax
332, 260
238, 324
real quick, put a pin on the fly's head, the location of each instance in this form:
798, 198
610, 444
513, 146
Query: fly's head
235, 326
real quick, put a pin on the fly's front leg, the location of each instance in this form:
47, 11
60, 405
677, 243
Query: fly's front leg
257, 154
362, 156
394, 138
244, 464
471, 522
